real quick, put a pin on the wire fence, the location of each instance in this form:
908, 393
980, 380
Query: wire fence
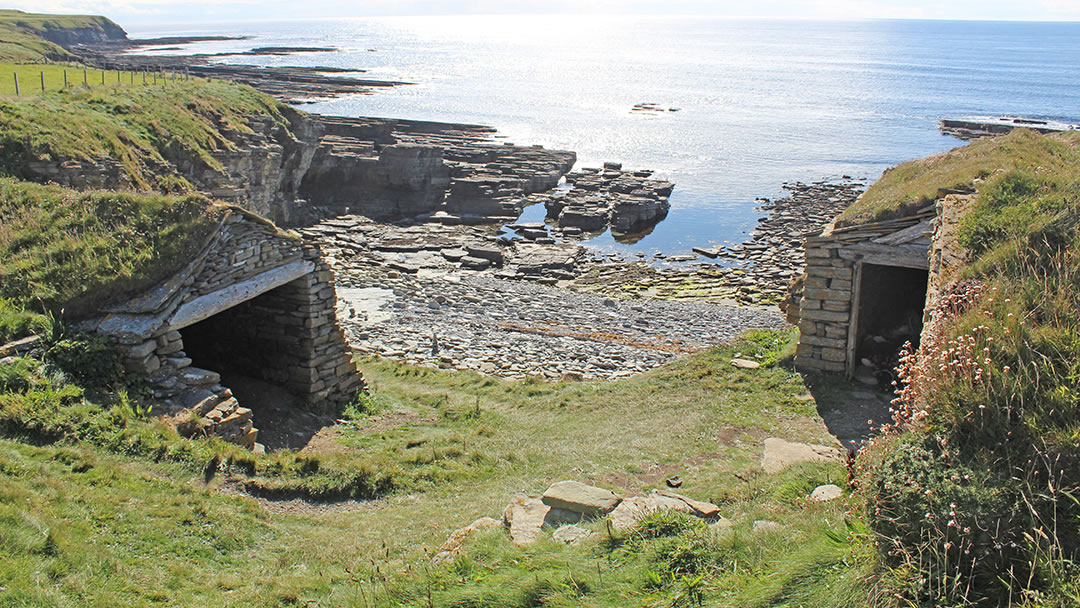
35, 80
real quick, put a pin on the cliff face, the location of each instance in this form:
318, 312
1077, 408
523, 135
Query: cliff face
95, 30
313, 166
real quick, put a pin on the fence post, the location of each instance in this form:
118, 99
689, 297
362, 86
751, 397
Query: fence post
65, 79
43, 82
102, 77
16, 84
84, 82
117, 76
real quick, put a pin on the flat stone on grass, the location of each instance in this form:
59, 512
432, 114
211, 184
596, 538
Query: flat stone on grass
780, 454
524, 516
580, 498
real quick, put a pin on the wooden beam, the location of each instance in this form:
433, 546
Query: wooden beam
853, 332
907, 235
904, 256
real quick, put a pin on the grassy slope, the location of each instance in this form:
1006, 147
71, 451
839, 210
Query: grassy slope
64, 249
140, 126
20, 34
913, 184
993, 407
83, 525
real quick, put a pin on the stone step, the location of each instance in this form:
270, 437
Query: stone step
247, 440
227, 407
230, 426
195, 376
235, 432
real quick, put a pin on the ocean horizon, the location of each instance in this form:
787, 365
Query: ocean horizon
740, 106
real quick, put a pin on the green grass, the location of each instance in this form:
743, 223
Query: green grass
909, 186
147, 129
61, 249
30, 75
100, 506
21, 34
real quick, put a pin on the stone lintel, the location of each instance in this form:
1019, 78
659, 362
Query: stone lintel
210, 304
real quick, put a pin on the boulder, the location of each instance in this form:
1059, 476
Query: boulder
571, 534
745, 364
524, 517
580, 498
474, 263
701, 509
491, 253
826, 493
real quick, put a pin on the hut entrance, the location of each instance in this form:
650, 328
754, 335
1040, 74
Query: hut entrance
239, 340
888, 313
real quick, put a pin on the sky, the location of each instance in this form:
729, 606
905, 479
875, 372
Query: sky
161, 11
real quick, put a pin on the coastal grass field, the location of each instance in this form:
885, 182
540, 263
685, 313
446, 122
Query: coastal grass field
104, 524
915, 184
30, 77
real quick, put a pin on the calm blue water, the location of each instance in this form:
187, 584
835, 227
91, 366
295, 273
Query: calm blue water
760, 102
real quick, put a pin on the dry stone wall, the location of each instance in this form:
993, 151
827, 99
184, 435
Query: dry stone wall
946, 252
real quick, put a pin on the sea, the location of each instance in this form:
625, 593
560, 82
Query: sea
742, 106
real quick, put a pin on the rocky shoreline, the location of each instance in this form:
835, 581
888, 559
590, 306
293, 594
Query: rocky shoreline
469, 319
290, 84
524, 300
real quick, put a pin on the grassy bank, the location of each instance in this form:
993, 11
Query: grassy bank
914, 184
147, 129
62, 249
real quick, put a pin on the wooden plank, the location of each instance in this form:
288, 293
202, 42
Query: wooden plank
856, 301
904, 256
208, 305
907, 235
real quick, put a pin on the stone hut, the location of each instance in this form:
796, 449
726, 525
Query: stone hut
256, 302
867, 287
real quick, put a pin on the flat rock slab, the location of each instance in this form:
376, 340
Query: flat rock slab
826, 493
633, 509
580, 498
524, 517
571, 534
780, 454
697, 507
449, 549
745, 364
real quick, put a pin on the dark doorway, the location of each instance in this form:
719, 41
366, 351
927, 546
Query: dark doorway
891, 300
249, 346
233, 341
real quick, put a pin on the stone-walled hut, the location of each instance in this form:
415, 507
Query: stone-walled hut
256, 301
867, 286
